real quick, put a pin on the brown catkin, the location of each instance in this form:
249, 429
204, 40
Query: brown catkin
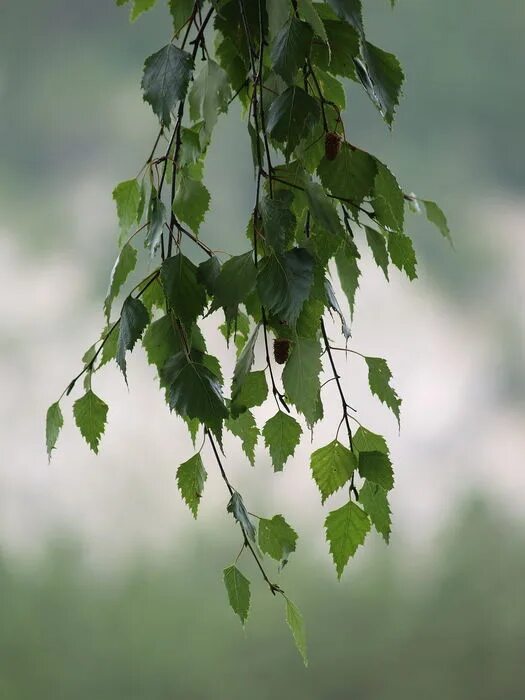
281, 350
332, 145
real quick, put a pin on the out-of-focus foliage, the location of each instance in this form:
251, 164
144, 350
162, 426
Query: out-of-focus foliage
452, 627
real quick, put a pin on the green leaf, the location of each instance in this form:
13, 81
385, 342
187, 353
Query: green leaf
127, 197
186, 295
377, 468
278, 220
385, 80
308, 12
181, 11
295, 622
322, 209
377, 243
238, 589
244, 363
191, 476
282, 434
194, 390
54, 423
237, 508
134, 318
350, 176
291, 48
333, 305
165, 80
437, 217
90, 416
366, 441
379, 376
156, 219
192, 201
277, 538
291, 118
350, 10
109, 351
388, 201
346, 529
123, 267
284, 283
332, 467
161, 341
349, 273
253, 392
139, 7
344, 48
207, 273
402, 253
209, 95
374, 500
301, 377
245, 428
240, 268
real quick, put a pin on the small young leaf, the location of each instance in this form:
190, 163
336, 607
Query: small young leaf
237, 508
282, 434
245, 428
346, 529
238, 589
165, 80
377, 468
191, 476
374, 500
295, 622
134, 318
90, 416
379, 376
124, 266
332, 467
54, 423
127, 198
277, 538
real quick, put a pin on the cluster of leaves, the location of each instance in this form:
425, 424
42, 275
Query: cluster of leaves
318, 198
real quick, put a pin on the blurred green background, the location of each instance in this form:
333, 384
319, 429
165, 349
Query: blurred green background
108, 589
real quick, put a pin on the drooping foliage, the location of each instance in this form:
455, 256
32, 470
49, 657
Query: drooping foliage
319, 198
